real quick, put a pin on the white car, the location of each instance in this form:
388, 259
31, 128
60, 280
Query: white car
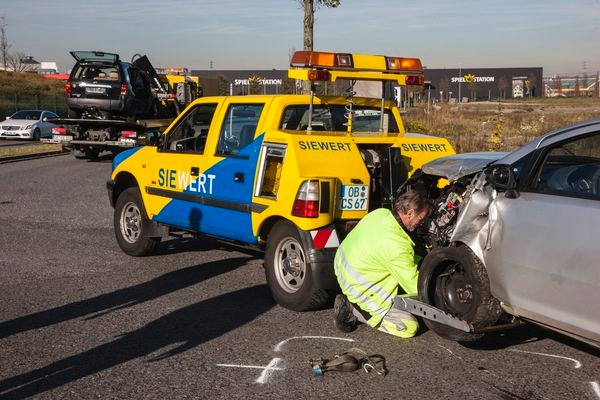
27, 124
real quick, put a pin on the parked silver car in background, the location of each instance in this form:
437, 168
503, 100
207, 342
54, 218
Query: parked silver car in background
514, 237
27, 124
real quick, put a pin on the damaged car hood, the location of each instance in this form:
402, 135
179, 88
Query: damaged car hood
459, 165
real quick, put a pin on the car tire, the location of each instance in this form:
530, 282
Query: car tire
78, 154
288, 272
91, 154
131, 224
454, 280
36, 135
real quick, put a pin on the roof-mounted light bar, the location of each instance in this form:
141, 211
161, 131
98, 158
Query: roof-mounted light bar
323, 66
404, 64
319, 59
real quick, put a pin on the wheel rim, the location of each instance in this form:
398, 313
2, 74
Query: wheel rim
131, 222
290, 265
455, 291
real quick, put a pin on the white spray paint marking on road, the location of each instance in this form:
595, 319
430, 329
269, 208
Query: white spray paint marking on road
450, 351
264, 376
596, 388
280, 344
266, 370
272, 366
577, 363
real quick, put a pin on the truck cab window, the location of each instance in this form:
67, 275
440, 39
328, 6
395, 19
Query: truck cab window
239, 128
189, 136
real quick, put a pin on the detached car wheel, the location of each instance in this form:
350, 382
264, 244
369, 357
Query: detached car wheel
288, 272
454, 280
131, 224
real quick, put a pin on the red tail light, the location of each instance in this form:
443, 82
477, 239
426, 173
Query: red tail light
306, 204
59, 131
129, 134
415, 80
318, 75
68, 88
123, 88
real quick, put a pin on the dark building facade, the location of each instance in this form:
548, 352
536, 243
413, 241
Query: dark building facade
458, 84
242, 82
468, 84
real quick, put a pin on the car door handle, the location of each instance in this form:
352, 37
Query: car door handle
195, 171
238, 177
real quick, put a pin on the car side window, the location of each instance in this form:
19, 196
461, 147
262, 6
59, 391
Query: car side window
189, 136
239, 128
571, 168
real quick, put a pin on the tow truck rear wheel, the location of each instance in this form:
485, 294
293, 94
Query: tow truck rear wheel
454, 280
288, 271
131, 224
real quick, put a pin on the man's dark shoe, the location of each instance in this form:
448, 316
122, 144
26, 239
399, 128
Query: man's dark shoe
345, 321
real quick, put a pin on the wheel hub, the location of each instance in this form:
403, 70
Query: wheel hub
291, 265
465, 294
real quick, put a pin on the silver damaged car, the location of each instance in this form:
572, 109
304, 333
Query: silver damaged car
513, 237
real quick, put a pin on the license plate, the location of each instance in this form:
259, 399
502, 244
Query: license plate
95, 90
62, 138
354, 197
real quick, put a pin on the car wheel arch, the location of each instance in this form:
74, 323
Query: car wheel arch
123, 181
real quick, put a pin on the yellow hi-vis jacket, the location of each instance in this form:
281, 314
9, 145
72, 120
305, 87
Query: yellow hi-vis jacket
376, 257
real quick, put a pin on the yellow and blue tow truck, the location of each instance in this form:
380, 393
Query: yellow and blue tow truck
289, 174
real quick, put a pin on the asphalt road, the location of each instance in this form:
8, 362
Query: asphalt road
79, 319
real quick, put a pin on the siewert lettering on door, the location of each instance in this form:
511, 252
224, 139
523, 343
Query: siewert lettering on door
173, 179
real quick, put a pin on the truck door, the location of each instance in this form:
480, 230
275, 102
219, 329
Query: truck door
233, 163
178, 182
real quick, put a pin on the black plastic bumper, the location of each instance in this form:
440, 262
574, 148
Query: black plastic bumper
110, 186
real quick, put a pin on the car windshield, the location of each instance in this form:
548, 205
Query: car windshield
333, 118
35, 115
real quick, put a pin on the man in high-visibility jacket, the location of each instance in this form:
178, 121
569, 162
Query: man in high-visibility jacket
377, 260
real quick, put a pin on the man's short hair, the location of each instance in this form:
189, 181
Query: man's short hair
415, 198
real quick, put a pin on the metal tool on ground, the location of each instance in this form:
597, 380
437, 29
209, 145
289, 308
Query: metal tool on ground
350, 361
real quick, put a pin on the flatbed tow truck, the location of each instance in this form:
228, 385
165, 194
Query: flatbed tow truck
87, 138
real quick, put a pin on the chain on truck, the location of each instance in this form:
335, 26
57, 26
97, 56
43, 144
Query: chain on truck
288, 174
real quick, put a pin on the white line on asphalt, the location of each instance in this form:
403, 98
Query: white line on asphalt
246, 366
577, 363
264, 376
596, 388
450, 351
280, 344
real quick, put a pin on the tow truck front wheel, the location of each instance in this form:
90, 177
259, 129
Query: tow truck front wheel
288, 271
130, 224
454, 280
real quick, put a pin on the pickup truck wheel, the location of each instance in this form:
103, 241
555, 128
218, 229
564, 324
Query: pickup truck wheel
288, 273
454, 280
130, 224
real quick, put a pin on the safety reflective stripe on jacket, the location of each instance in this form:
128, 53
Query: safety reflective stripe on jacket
374, 259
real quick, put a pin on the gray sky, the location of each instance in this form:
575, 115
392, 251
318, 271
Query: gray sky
560, 36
